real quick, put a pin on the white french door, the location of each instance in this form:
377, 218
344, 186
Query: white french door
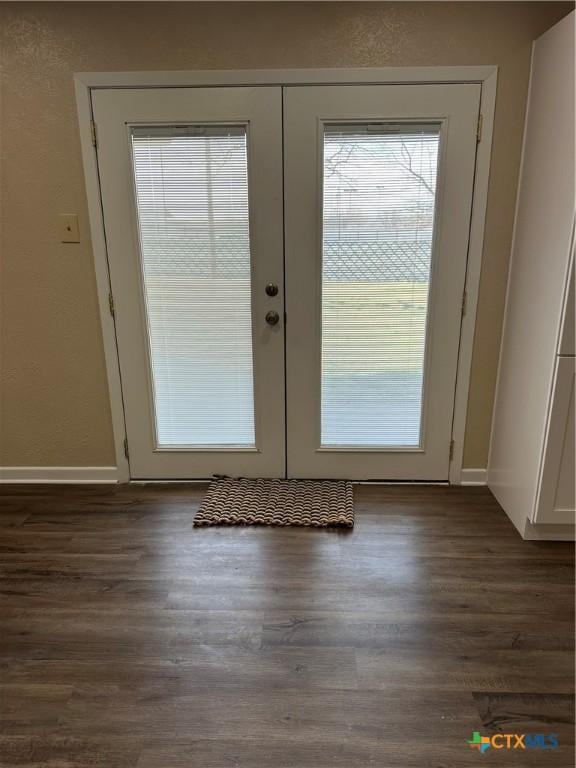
378, 190
191, 183
359, 221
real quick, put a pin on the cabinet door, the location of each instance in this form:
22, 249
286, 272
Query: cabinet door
567, 345
556, 499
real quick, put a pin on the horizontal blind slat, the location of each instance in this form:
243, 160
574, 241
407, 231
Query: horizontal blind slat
192, 203
378, 217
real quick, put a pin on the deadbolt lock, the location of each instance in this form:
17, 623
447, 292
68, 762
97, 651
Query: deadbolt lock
271, 289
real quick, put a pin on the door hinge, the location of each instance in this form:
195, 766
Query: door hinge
111, 304
451, 455
126, 451
479, 128
464, 302
93, 132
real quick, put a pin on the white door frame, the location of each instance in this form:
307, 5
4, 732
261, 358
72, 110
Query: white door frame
85, 82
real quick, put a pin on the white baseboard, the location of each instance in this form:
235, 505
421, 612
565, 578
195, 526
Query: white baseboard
74, 475
473, 477
548, 532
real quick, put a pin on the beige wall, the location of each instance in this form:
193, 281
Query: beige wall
55, 409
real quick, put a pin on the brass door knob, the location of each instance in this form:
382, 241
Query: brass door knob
272, 318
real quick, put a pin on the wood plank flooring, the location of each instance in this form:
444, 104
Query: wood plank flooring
131, 640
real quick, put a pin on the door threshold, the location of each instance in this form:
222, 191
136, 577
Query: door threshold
441, 483
180, 481
203, 481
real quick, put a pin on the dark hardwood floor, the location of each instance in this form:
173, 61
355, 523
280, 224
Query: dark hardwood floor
129, 639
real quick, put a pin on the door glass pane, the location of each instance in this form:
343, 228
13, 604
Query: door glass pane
192, 200
378, 221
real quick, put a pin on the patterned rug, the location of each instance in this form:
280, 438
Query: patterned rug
317, 503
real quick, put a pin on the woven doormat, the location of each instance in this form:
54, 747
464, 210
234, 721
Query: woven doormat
317, 503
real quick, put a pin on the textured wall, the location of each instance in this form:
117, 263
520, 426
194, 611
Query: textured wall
55, 409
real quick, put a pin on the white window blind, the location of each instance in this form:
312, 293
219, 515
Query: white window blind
192, 201
378, 221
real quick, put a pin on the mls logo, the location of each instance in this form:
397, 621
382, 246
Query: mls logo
481, 743
512, 741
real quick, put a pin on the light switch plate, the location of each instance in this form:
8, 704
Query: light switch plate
68, 228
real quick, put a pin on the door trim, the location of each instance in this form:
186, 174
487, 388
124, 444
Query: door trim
86, 82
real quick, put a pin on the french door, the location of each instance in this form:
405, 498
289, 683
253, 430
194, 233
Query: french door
191, 184
287, 266
378, 196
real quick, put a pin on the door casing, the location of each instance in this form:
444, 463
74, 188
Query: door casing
86, 82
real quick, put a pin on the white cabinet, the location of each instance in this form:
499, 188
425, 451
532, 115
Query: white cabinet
555, 503
569, 326
531, 464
